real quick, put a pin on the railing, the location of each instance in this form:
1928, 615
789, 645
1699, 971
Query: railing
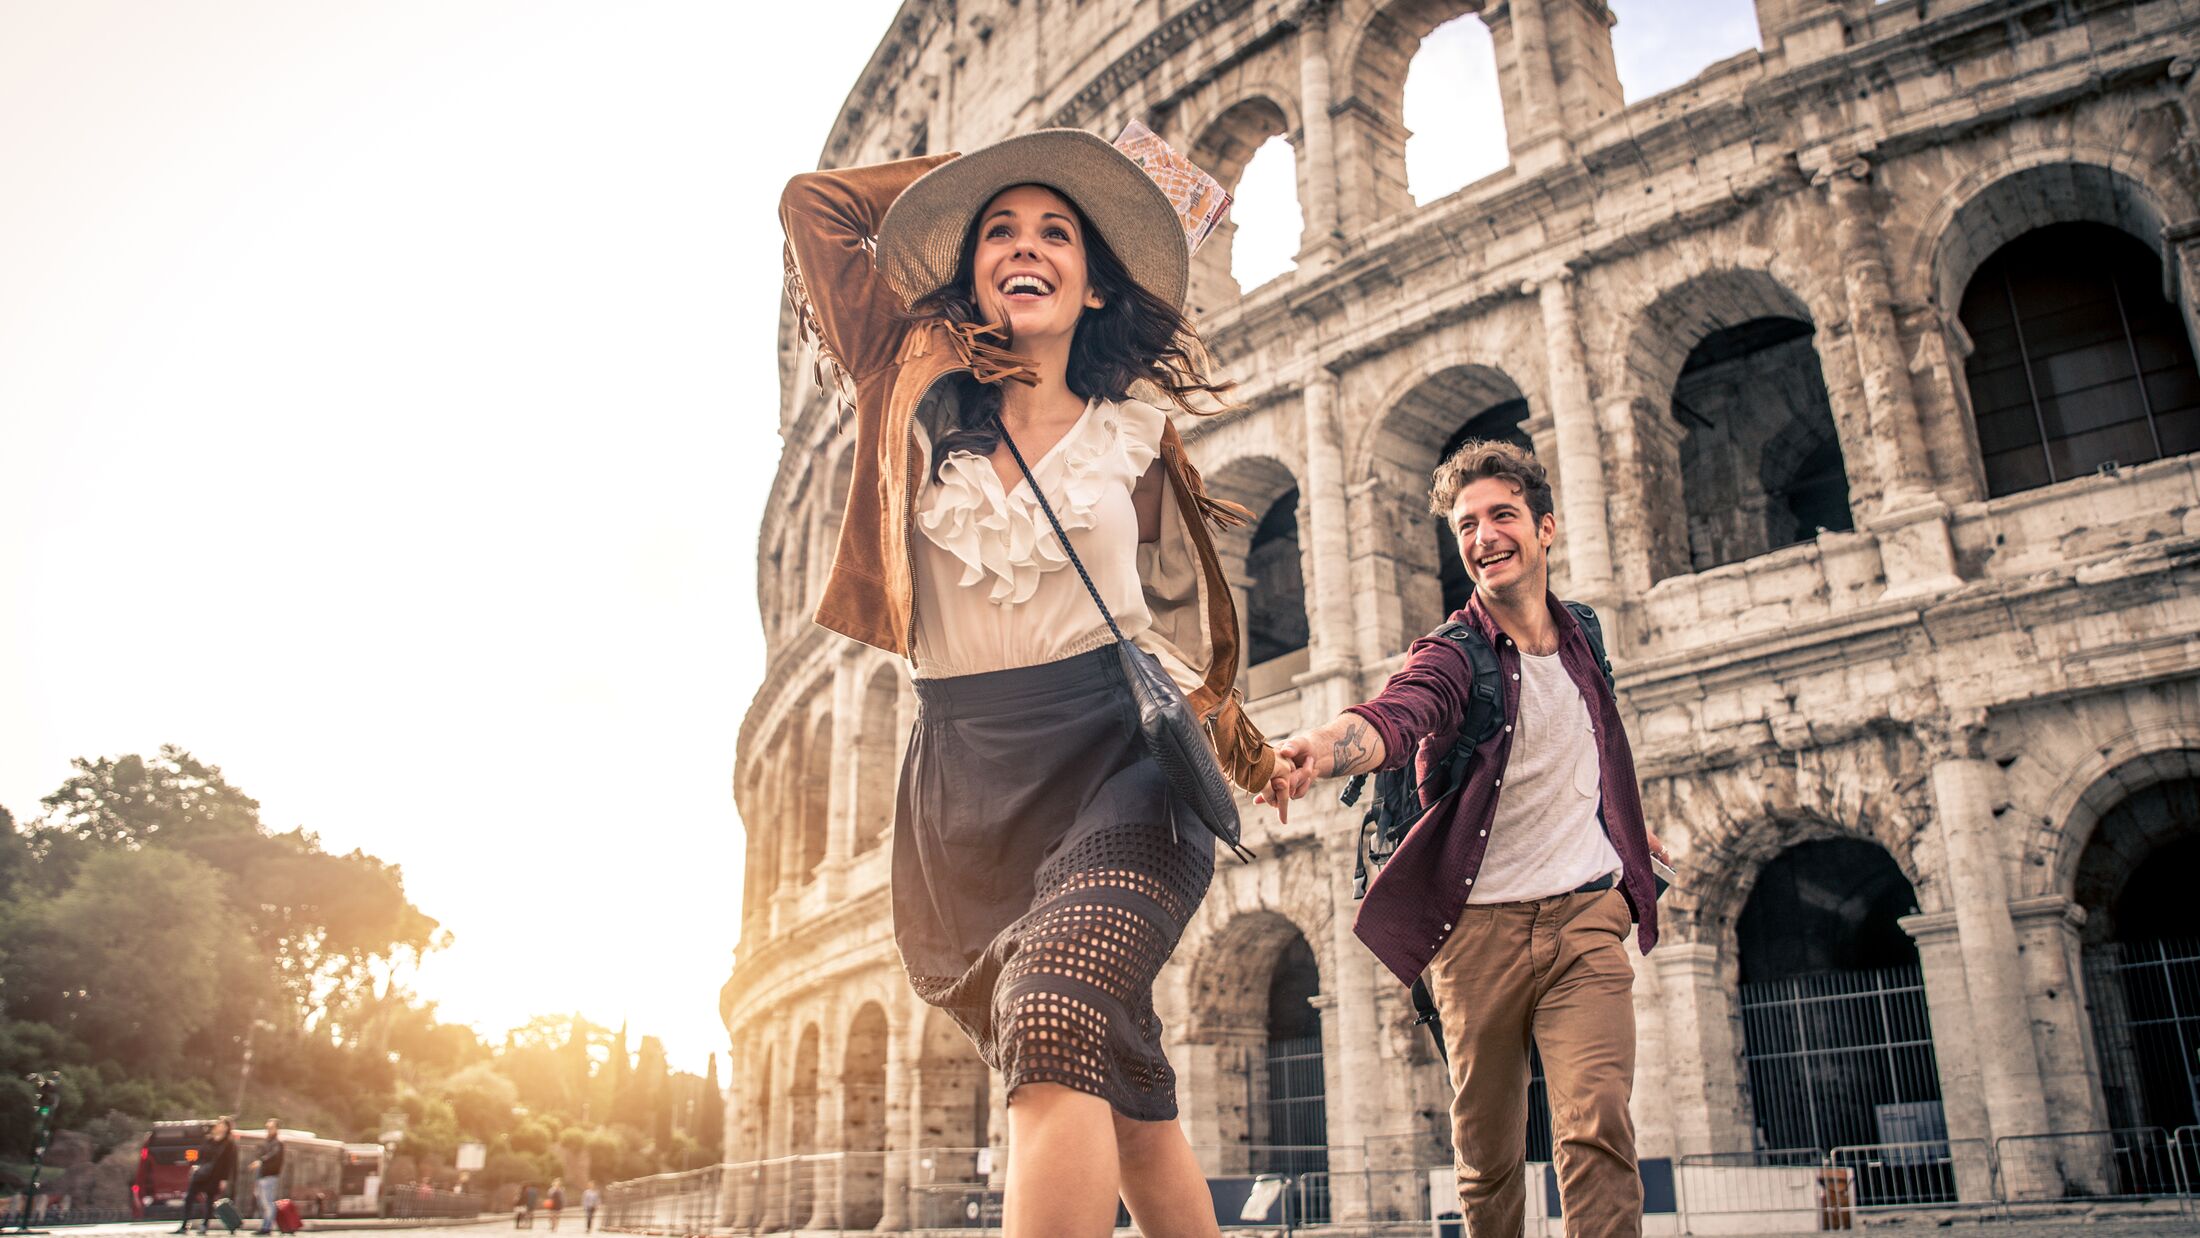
411, 1200
1387, 1187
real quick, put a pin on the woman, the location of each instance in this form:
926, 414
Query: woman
1042, 874
211, 1173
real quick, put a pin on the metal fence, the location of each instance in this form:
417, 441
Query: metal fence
1402, 1187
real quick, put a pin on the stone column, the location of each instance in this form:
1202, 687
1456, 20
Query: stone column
1396, 596
787, 825
778, 1136
827, 1172
1355, 1099
1329, 595
1955, 1050
1322, 240
1703, 1073
843, 788
1912, 522
901, 1087
1580, 453
1539, 140
2062, 1034
1963, 788
2182, 244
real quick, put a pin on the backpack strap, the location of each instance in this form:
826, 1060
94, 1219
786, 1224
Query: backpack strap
1592, 628
1485, 702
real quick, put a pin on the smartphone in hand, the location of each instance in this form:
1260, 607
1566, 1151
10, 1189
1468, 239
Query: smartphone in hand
1665, 875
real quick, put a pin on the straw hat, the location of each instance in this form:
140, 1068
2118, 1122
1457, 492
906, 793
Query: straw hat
920, 240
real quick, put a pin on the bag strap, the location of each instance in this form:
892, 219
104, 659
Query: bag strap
1040, 494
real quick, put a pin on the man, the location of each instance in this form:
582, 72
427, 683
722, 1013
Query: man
269, 1165
590, 1200
1511, 898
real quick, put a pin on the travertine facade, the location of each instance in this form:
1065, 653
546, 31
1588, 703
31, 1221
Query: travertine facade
1752, 324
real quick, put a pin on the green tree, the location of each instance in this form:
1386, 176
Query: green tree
711, 1115
124, 960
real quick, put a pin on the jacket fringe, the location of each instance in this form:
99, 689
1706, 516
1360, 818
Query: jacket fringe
829, 371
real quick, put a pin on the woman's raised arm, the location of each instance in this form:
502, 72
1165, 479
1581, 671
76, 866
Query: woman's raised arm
830, 218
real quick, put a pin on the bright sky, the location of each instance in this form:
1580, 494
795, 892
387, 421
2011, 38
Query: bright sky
387, 404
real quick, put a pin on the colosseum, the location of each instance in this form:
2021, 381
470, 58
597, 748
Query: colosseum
1864, 364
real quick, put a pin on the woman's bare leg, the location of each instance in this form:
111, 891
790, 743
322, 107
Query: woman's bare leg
1162, 1182
1062, 1170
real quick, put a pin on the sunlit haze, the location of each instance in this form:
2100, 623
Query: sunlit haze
388, 399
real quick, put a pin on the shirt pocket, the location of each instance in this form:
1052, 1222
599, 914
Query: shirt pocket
1588, 774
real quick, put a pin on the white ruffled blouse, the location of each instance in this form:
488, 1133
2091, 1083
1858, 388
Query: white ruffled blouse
994, 588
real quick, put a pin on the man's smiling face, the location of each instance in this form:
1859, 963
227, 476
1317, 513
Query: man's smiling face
1505, 548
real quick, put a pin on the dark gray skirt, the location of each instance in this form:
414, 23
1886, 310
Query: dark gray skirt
1040, 877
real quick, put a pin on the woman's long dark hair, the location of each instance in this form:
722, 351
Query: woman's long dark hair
1133, 336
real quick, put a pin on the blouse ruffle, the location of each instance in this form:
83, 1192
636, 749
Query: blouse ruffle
1004, 540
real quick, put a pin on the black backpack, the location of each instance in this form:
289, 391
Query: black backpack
1397, 805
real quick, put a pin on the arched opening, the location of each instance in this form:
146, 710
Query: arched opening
1251, 132
954, 1107
1761, 464
1453, 111
877, 758
1748, 441
745, 1189
1501, 422
863, 1120
2142, 953
1835, 1038
1290, 1118
1251, 1004
1275, 621
2078, 363
1417, 550
817, 796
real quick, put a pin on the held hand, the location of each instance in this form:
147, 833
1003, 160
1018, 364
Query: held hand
1657, 848
1294, 774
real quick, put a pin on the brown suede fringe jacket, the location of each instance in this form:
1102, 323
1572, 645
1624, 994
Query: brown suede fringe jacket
895, 363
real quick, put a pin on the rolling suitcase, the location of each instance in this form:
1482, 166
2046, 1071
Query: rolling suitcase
286, 1217
227, 1213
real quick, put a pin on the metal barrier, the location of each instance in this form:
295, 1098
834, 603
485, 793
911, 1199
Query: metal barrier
1761, 1192
412, 1200
1918, 1173
2135, 1163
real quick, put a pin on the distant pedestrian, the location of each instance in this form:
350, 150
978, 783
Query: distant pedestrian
268, 1165
590, 1198
555, 1201
212, 1173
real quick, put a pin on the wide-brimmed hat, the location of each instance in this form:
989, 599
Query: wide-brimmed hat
920, 240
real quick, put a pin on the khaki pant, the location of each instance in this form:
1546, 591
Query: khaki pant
1554, 970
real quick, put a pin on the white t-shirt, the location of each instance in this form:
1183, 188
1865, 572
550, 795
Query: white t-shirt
1545, 838
994, 589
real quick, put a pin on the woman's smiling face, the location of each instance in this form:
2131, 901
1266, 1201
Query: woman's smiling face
1029, 268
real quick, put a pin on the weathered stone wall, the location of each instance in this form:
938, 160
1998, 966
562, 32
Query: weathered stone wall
1968, 682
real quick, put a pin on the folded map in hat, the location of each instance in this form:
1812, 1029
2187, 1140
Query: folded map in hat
1199, 199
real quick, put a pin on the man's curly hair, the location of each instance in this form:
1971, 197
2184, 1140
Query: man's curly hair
1487, 457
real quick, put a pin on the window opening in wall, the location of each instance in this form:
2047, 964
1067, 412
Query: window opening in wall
2077, 362
2142, 955
1504, 423
1835, 1035
1265, 206
1454, 111
817, 797
1761, 464
1275, 620
1294, 1136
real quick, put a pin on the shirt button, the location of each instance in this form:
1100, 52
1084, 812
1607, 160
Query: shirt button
1508, 728
1447, 928
1516, 674
1470, 881
1497, 782
1485, 834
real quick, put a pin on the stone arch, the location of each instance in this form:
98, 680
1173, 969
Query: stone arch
2163, 762
1425, 413
817, 795
1224, 145
877, 755
1741, 445
1371, 108
2018, 270
1266, 568
2006, 198
953, 1092
863, 1135
1243, 984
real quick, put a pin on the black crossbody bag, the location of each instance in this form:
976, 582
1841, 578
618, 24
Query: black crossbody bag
1171, 731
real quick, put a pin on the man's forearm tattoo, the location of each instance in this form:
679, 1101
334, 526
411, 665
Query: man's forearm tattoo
1350, 751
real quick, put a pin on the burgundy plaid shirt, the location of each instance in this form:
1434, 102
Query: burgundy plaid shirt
1417, 897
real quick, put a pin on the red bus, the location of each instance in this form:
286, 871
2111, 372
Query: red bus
312, 1170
